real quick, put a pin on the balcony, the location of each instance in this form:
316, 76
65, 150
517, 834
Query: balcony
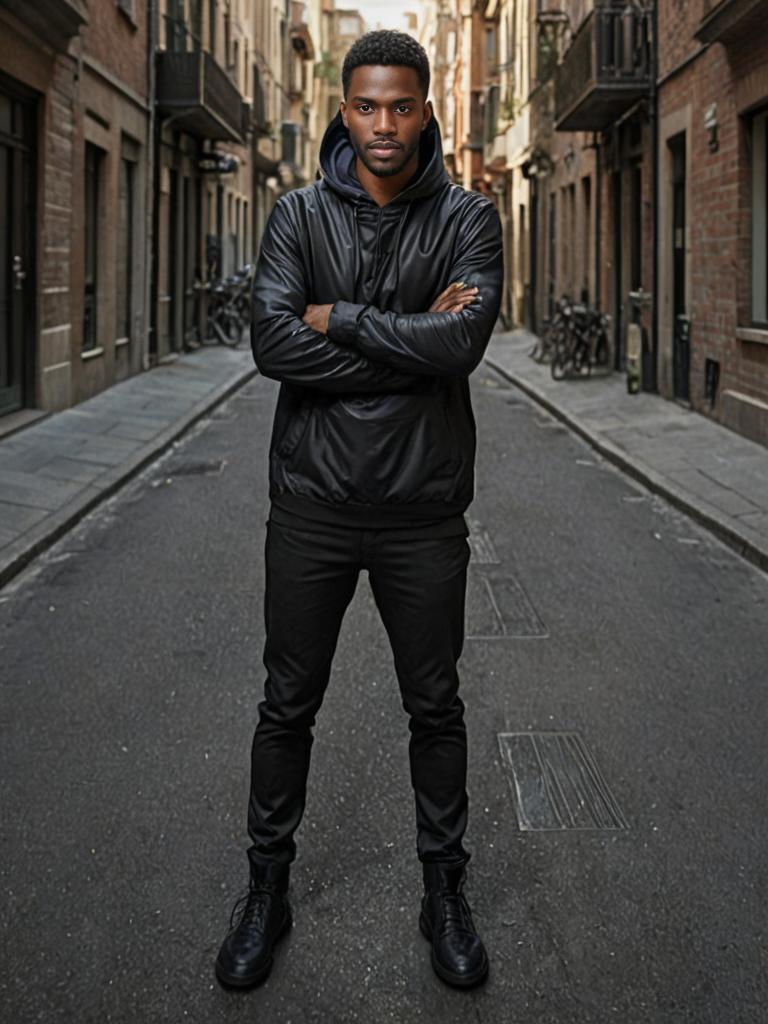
199, 96
727, 21
54, 21
606, 69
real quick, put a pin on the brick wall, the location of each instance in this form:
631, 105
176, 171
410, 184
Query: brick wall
119, 42
735, 79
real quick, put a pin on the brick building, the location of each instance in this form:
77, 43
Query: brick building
712, 247
203, 177
142, 146
625, 145
73, 146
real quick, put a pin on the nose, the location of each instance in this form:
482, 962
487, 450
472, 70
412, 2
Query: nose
384, 123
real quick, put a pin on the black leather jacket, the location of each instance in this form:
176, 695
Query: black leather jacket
374, 419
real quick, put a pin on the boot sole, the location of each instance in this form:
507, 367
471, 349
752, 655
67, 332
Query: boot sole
256, 977
450, 977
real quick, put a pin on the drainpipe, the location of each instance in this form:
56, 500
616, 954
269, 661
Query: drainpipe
152, 193
655, 143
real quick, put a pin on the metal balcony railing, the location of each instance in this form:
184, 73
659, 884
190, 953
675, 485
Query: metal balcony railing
199, 95
726, 21
606, 69
56, 21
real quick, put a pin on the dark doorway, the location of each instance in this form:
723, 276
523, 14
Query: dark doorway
618, 275
17, 244
681, 348
533, 265
174, 270
552, 247
191, 243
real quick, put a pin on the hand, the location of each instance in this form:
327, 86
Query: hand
317, 317
454, 299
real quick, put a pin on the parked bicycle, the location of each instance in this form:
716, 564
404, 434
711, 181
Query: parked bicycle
574, 339
553, 330
227, 309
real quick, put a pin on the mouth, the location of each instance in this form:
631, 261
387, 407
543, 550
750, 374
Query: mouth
384, 148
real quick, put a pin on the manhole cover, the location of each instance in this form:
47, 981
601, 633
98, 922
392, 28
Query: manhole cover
481, 544
498, 608
557, 784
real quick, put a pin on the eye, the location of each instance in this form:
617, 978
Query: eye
363, 107
404, 108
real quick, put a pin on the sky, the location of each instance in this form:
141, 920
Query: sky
388, 12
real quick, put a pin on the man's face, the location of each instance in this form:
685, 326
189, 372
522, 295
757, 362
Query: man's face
385, 113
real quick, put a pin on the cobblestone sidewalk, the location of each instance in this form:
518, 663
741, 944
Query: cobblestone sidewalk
53, 472
709, 471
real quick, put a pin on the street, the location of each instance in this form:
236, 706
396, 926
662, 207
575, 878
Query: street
132, 670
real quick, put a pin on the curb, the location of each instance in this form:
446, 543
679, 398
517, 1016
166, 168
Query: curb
21, 552
683, 500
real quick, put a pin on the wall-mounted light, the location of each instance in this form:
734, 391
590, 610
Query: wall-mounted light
710, 124
539, 165
569, 156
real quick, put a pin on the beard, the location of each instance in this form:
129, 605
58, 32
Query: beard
389, 169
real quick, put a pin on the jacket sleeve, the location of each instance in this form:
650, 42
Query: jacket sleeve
441, 344
287, 349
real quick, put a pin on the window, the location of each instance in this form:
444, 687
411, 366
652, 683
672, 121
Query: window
175, 26
212, 24
125, 251
760, 219
196, 23
93, 162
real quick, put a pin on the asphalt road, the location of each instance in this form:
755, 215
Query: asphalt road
131, 674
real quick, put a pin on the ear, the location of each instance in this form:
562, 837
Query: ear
428, 114
343, 112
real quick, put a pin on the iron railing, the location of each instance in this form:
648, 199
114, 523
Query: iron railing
606, 69
193, 88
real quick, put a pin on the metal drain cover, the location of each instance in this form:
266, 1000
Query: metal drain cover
556, 783
498, 608
480, 543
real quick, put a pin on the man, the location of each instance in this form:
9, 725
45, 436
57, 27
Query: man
374, 297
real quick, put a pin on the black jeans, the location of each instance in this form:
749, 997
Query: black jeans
419, 588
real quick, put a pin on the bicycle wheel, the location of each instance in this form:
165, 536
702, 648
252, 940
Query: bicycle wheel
231, 327
558, 367
580, 358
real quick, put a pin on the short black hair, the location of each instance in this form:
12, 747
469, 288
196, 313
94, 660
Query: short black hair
386, 46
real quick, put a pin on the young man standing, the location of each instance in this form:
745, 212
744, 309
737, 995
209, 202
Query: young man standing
376, 291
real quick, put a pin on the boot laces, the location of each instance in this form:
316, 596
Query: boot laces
252, 908
455, 911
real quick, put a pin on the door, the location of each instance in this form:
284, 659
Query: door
619, 346
681, 348
17, 220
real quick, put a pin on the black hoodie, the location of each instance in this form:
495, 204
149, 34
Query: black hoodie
374, 424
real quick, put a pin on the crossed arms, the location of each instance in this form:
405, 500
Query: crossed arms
364, 349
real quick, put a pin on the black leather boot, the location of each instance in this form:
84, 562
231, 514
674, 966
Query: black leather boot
258, 920
458, 953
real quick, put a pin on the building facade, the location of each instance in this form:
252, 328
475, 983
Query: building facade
712, 245
73, 200
142, 146
624, 144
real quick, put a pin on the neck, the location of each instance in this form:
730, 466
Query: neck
384, 190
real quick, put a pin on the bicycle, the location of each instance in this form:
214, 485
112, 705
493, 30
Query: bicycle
583, 342
227, 311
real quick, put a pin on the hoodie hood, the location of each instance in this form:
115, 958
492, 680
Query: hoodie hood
337, 163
